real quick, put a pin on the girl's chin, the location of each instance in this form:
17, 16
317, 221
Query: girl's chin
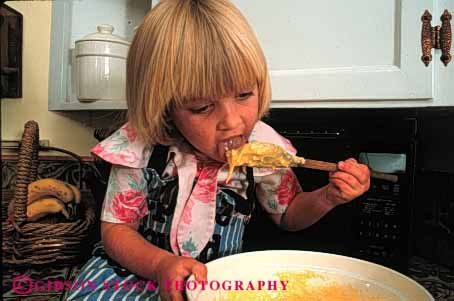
215, 158
219, 158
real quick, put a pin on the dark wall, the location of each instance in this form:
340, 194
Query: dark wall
436, 140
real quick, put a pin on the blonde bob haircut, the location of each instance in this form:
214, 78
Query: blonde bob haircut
186, 50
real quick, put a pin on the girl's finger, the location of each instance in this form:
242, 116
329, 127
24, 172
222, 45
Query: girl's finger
345, 192
175, 293
200, 272
347, 178
351, 160
359, 171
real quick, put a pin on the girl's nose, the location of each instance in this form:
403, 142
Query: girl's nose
230, 116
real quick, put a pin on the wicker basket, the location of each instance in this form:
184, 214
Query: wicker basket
43, 242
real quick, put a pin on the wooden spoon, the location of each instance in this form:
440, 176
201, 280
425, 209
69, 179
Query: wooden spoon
260, 154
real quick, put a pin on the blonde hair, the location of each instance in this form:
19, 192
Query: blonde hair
186, 50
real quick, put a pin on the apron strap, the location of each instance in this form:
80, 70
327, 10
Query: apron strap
158, 159
250, 191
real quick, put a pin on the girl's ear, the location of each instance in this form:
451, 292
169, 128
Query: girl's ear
171, 128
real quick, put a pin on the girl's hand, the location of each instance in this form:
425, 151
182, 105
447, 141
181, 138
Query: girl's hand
172, 269
350, 181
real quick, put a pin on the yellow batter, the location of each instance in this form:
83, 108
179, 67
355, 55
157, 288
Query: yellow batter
260, 154
306, 285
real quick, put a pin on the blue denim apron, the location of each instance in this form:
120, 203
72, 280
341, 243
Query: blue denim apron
104, 279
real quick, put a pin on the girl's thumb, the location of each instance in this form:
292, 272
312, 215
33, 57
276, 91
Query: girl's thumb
200, 271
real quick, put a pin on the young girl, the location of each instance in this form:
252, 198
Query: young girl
198, 83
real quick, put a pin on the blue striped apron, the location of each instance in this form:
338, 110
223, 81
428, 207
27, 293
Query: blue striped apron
103, 279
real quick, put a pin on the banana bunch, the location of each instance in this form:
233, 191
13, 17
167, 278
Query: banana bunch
50, 196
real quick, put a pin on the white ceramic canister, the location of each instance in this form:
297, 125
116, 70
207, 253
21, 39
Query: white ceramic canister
101, 65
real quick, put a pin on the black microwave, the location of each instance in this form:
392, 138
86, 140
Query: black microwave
374, 227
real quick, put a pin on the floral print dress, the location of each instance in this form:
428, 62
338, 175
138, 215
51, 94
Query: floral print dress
188, 209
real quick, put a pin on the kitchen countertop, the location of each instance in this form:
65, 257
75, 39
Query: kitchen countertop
437, 279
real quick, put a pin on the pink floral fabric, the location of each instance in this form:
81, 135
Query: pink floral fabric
287, 188
194, 228
194, 217
125, 203
125, 200
124, 148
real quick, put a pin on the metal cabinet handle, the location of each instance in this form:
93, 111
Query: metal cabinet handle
438, 37
446, 37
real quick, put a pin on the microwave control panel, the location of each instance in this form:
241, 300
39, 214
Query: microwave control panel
382, 232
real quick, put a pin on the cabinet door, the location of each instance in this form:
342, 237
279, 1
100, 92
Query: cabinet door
355, 53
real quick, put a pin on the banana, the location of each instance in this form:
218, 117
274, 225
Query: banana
77, 194
43, 207
45, 188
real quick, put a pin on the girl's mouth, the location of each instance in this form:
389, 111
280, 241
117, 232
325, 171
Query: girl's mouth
231, 143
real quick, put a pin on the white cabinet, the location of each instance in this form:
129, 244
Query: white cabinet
325, 53
71, 21
356, 53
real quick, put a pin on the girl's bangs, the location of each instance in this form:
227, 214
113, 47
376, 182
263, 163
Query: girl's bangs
217, 70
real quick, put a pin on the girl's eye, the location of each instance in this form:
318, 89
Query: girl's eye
244, 96
202, 109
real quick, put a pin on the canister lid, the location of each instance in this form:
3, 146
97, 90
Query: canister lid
104, 33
